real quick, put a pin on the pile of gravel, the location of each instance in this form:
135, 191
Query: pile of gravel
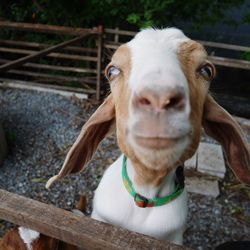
41, 127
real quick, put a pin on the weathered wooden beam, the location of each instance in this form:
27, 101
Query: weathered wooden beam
43, 28
45, 45
225, 46
228, 62
55, 78
120, 32
85, 89
61, 90
52, 55
36, 55
54, 67
6, 82
74, 229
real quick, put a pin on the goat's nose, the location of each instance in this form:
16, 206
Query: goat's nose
160, 100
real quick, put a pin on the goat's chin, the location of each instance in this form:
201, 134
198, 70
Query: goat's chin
157, 153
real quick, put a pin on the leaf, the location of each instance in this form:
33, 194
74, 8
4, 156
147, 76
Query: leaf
133, 18
236, 210
38, 180
147, 24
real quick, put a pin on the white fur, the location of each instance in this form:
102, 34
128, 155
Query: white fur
113, 204
155, 66
28, 236
154, 59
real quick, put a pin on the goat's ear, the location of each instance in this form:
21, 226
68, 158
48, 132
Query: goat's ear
92, 133
219, 124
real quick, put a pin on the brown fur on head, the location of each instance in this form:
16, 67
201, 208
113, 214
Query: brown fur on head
192, 55
160, 92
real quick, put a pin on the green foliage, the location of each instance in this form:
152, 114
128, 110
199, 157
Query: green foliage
122, 13
245, 56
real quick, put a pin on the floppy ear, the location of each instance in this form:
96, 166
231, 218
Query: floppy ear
92, 133
219, 124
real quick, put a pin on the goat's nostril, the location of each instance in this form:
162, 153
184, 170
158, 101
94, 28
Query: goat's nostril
177, 101
159, 101
144, 101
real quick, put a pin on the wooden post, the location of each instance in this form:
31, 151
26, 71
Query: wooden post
36, 55
116, 40
74, 229
99, 62
3, 145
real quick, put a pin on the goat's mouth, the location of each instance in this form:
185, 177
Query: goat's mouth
156, 143
159, 152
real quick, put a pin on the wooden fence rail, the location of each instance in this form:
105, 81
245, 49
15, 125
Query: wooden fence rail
19, 62
35, 45
58, 67
78, 230
49, 29
222, 61
51, 54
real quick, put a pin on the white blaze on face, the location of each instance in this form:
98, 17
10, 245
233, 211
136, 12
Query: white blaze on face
28, 236
155, 67
154, 60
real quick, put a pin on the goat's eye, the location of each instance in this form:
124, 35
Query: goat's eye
207, 72
113, 71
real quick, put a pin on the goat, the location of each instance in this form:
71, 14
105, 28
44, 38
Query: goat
158, 104
21, 238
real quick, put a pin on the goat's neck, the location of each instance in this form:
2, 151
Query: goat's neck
161, 186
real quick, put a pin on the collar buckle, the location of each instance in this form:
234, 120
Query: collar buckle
140, 200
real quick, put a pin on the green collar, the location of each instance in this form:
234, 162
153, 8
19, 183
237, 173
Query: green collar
140, 200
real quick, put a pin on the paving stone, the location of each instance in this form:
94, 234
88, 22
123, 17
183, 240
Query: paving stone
210, 160
191, 163
202, 186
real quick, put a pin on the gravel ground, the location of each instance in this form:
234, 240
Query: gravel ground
40, 128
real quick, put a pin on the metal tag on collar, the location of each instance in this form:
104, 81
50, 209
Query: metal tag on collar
140, 200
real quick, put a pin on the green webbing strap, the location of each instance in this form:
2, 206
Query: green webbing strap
140, 200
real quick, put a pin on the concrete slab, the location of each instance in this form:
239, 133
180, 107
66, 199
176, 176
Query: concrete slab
202, 186
191, 164
210, 160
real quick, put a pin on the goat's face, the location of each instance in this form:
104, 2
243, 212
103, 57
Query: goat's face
159, 82
159, 100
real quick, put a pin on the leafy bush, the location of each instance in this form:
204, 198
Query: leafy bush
245, 56
122, 13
